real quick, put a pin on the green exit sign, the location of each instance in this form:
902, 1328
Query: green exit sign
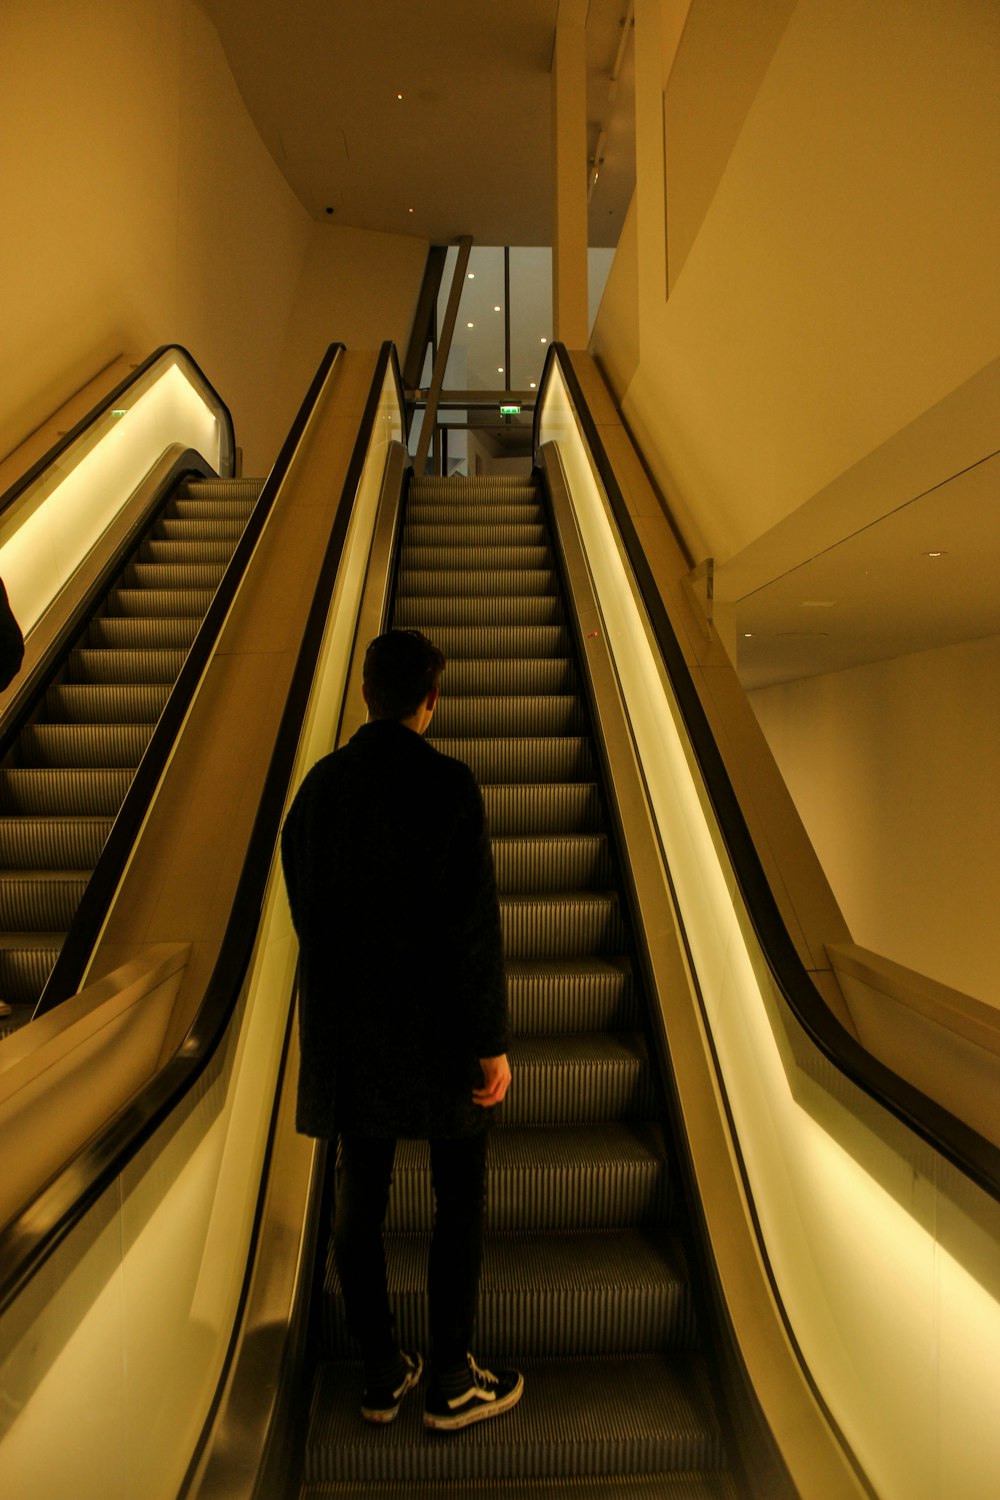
510, 411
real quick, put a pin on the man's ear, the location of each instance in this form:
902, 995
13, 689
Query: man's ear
364, 694
431, 699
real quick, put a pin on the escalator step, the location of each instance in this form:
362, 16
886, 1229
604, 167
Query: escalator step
571, 1080
169, 602
145, 633
522, 676
464, 532
552, 807
585, 994
476, 559
473, 513
90, 664
464, 717
591, 1176
534, 760
26, 960
85, 745
476, 583
106, 702
52, 843
164, 576
487, 487
562, 925
209, 508
553, 862
234, 491
600, 1415
184, 551
527, 626
40, 900
580, 1293
63, 792
688, 1486
201, 528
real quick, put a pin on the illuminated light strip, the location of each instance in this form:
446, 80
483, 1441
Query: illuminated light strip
50, 529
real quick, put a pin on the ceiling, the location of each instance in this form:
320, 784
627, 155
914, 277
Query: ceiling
431, 119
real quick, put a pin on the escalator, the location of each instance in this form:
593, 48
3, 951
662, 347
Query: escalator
66, 771
586, 1282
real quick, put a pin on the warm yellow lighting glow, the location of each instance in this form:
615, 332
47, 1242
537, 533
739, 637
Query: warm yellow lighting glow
48, 532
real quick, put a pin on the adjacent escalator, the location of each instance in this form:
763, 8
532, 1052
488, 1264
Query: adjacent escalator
65, 773
586, 1282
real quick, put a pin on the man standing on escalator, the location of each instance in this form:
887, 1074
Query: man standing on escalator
402, 1016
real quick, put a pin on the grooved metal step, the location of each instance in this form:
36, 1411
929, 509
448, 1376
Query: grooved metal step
115, 665
527, 626
526, 760
84, 744
578, 1293
52, 843
520, 676
557, 862
459, 718
191, 528
63, 791
106, 702
40, 900
582, 994
26, 960
143, 632
569, 1080
185, 551
170, 602
549, 1177
472, 513
563, 925
551, 807
465, 533
475, 582
719, 1485
601, 1415
478, 560
161, 576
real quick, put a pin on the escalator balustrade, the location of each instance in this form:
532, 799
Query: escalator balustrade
65, 777
585, 1283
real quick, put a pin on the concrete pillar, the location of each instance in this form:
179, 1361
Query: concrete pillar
570, 312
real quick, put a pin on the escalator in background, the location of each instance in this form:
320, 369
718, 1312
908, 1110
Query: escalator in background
64, 774
586, 1282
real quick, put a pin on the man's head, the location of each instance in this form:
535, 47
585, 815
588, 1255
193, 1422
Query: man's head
402, 670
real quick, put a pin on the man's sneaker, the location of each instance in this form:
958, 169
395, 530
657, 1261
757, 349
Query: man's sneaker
381, 1402
482, 1394
5, 1009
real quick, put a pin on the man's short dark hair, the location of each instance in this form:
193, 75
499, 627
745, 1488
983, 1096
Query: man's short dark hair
401, 668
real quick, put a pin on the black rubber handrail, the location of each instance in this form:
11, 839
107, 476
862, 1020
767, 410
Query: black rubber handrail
27, 1242
975, 1156
107, 403
64, 979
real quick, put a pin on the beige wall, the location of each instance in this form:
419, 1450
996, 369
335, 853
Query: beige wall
827, 226
835, 234
141, 207
893, 767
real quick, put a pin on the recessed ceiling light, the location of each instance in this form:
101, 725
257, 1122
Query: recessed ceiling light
499, 369
399, 96
497, 307
531, 385
472, 275
748, 635
935, 554
470, 325
544, 341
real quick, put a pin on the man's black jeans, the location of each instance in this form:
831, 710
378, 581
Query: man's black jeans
458, 1173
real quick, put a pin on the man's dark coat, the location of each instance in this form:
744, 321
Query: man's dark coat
393, 895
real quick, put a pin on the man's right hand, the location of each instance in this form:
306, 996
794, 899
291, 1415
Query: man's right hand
496, 1081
